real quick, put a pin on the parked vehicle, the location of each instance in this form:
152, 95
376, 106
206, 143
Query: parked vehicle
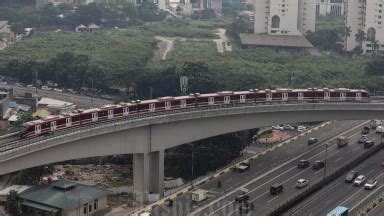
71, 91
243, 167
288, 127
301, 129
342, 141
318, 165
351, 176
242, 198
145, 214
19, 84
370, 184
375, 123
301, 183
45, 88
58, 90
276, 189
31, 86
312, 141
199, 195
303, 164
379, 129
366, 130
362, 139
368, 144
339, 211
359, 180
278, 127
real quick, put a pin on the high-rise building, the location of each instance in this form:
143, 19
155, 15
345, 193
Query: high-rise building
364, 16
285, 17
329, 7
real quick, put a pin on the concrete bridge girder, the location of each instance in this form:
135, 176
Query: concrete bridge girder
148, 138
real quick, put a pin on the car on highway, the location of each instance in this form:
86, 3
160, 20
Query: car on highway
243, 167
278, 127
303, 164
312, 141
31, 86
301, 129
242, 198
368, 144
45, 88
301, 183
19, 84
342, 141
362, 139
71, 91
318, 165
351, 176
276, 189
366, 130
288, 127
359, 180
58, 90
370, 184
379, 129
4, 82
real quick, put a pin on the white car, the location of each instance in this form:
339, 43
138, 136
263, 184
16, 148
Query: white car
359, 180
31, 86
301, 183
278, 127
289, 127
301, 129
45, 88
370, 184
58, 90
379, 129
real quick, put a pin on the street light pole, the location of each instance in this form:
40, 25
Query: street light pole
193, 147
325, 161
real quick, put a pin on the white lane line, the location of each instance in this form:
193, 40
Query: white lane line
197, 211
272, 199
228, 180
340, 158
366, 197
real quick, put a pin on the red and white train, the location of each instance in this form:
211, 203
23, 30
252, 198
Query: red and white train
312, 95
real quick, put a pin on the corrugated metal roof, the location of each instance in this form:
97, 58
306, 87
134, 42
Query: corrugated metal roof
275, 40
63, 198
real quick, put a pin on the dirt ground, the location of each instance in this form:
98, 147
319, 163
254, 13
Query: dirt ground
275, 137
106, 176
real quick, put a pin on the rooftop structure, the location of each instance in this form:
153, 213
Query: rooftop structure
329, 7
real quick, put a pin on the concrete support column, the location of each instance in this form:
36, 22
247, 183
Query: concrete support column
148, 175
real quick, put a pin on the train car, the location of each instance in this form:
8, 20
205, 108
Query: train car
109, 112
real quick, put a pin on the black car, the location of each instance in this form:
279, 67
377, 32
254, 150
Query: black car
351, 176
318, 165
368, 144
312, 141
366, 130
276, 189
242, 198
303, 164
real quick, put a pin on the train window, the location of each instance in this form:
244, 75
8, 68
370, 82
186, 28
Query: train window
30, 129
276, 95
219, 98
243, 98
168, 105
175, 103
191, 101
308, 94
292, 95
75, 118
202, 100
261, 96
319, 95
103, 113
133, 108
335, 94
86, 116
152, 107
143, 107
351, 94
118, 111
61, 122
159, 105
45, 125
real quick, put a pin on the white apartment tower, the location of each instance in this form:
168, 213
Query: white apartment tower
285, 17
368, 16
329, 7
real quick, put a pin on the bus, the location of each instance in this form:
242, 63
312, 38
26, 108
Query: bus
338, 211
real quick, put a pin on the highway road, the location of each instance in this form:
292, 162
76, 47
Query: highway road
80, 100
279, 166
340, 193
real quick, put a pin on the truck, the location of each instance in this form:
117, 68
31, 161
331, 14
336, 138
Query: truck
375, 123
199, 195
342, 141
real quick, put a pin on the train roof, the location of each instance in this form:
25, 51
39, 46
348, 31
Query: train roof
91, 110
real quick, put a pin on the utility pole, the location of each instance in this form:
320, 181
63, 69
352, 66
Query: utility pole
36, 82
193, 147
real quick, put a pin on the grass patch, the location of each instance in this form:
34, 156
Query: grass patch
330, 23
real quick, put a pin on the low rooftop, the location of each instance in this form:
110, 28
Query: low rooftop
275, 40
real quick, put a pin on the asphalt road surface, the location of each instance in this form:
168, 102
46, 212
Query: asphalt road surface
278, 166
340, 193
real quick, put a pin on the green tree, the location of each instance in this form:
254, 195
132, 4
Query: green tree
87, 14
199, 77
239, 25
13, 203
23, 117
208, 14
24, 70
49, 14
375, 66
32, 176
360, 37
375, 46
149, 12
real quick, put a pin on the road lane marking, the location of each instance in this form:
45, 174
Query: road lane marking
340, 158
270, 200
374, 191
271, 171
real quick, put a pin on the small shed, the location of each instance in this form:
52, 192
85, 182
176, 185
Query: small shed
81, 28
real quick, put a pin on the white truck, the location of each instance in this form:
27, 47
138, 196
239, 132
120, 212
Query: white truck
375, 123
199, 195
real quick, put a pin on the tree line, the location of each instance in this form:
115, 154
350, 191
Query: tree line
107, 14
